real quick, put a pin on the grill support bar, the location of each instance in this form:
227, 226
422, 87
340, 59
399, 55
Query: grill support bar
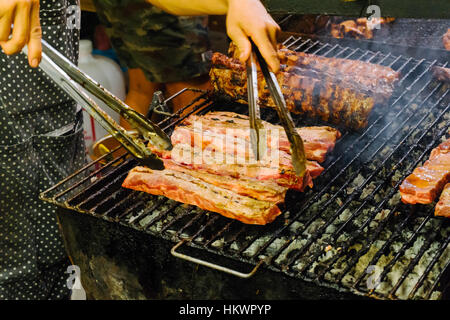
212, 265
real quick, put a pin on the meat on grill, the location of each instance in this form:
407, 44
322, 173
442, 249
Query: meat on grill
336, 90
370, 74
373, 79
361, 28
266, 190
212, 142
216, 127
441, 74
446, 40
443, 206
350, 27
216, 162
214, 176
426, 182
185, 188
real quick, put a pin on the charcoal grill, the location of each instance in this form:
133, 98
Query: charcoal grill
349, 233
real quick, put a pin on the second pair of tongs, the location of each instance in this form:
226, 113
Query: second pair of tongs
74, 81
257, 138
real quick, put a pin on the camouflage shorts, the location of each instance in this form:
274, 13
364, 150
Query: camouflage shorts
166, 47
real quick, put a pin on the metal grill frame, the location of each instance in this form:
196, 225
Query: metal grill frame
190, 226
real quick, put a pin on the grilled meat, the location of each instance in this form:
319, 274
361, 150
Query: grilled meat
183, 187
350, 27
303, 95
426, 182
217, 162
330, 88
375, 80
361, 28
446, 40
443, 206
241, 148
217, 126
266, 190
206, 170
441, 74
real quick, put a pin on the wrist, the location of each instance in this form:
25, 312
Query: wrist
239, 2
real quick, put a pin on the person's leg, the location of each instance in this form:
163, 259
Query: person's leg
140, 93
185, 98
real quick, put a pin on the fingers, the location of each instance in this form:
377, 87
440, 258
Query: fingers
21, 29
265, 40
249, 18
26, 30
240, 39
5, 26
34, 41
273, 29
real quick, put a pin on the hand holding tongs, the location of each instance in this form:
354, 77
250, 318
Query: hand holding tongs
296, 142
73, 81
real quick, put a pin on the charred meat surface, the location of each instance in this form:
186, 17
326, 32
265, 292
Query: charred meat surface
426, 182
443, 206
373, 79
336, 90
185, 188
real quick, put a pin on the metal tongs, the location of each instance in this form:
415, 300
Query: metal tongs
74, 82
256, 137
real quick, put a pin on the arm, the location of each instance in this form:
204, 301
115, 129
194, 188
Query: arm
24, 14
245, 18
192, 7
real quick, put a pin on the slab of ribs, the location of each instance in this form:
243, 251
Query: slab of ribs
427, 182
211, 166
339, 91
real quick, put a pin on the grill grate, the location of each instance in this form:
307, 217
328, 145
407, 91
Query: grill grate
350, 232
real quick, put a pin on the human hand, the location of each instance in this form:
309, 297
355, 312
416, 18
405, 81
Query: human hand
26, 29
249, 18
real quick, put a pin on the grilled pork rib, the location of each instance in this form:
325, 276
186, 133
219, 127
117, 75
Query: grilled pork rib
215, 162
374, 79
426, 182
266, 190
336, 90
216, 126
207, 170
183, 187
443, 206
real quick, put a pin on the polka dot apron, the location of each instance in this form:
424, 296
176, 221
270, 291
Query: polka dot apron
41, 142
